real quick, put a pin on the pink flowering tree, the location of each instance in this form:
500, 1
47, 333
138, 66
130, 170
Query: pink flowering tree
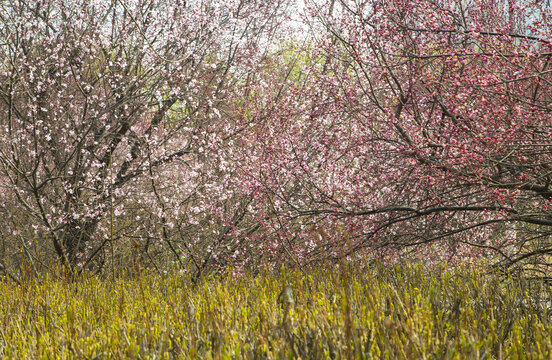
424, 128
112, 116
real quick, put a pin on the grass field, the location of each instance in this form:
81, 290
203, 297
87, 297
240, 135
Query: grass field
395, 313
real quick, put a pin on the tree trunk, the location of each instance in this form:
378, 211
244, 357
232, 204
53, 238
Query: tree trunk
77, 237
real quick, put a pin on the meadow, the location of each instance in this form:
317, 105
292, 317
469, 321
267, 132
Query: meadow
377, 312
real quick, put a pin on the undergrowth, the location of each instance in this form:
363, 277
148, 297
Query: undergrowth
405, 312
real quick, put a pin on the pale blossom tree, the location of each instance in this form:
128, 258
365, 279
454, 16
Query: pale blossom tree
98, 97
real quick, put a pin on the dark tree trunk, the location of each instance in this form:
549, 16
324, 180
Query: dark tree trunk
77, 237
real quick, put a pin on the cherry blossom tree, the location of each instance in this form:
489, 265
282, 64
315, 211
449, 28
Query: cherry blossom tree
99, 97
426, 132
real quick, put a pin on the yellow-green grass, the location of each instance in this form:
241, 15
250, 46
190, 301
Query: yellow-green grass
401, 312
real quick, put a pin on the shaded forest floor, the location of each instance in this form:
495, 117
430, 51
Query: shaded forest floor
403, 312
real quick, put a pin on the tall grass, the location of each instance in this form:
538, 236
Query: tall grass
403, 312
